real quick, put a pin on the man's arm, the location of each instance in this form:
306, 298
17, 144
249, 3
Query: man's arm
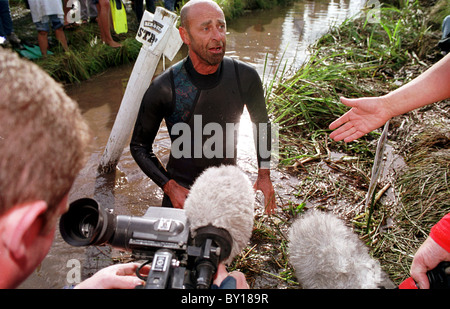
148, 121
156, 102
253, 95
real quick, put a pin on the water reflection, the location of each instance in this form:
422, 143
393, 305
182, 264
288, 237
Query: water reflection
285, 33
252, 38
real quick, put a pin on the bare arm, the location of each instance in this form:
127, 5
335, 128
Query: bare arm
368, 114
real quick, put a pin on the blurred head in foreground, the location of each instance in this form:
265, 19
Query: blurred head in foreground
43, 137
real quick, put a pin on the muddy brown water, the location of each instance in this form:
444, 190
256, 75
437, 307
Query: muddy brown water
253, 38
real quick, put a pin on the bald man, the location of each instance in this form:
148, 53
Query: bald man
201, 99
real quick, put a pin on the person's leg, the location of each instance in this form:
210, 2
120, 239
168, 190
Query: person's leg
58, 28
104, 23
43, 42
42, 30
6, 26
66, 12
150, 5
444, 43
84, 12
138, 7
446, 27
61, 37
170, 5
92, 10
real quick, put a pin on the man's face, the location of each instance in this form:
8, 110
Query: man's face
207, 34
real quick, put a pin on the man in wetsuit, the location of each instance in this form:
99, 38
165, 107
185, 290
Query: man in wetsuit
201, 100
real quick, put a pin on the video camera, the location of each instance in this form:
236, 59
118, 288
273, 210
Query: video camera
439, 277
162, 236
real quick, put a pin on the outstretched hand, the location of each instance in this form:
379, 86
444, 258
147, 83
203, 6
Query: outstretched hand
365, 115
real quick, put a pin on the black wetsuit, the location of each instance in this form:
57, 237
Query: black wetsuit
180, 95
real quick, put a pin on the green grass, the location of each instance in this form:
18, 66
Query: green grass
88, 55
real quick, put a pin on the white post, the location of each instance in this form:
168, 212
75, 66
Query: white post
158, 36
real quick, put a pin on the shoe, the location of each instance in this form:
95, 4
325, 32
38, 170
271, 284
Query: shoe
4, 42
444, 44
13, 38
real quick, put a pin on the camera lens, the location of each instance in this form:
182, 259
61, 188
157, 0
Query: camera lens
82, 223
87, 226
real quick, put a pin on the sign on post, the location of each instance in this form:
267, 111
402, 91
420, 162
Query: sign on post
158, 35
151, 32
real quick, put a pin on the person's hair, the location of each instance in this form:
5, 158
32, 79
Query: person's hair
43, 136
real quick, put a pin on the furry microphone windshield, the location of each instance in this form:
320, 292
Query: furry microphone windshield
326, 254
223, 197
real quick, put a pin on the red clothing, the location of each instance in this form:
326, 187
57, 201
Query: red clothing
440, 232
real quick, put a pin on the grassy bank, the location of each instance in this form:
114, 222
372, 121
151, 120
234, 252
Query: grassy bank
88, 55
358, 59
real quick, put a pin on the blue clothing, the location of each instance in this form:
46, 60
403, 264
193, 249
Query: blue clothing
54, 20
6, 25
229, 283
446, 27
138, 7
444, 43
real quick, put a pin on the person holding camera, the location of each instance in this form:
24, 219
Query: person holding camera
435, 249
43, 138
367, 114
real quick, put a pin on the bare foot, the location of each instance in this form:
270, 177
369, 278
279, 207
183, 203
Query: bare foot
114, 44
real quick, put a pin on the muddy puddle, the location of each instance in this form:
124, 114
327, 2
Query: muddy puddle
262, 38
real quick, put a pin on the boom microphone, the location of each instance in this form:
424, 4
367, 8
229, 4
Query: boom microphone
326, 254
221, 203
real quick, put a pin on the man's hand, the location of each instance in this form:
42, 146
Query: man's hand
222, 273
176, 193
429, 255
119, 276
264, 184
